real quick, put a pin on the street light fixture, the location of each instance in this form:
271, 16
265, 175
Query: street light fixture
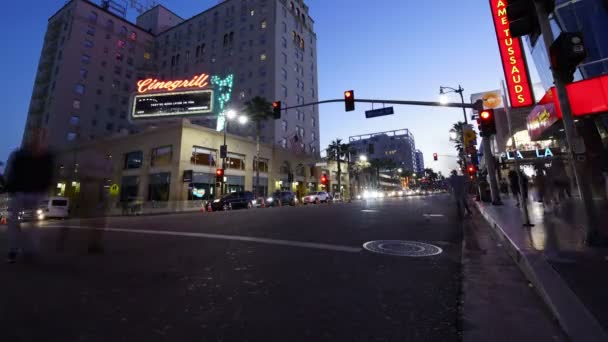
231, 114
399, 170
453, 135
243, 119
362, 158
443, 99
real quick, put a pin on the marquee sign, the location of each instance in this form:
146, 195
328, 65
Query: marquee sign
200, 95
513, 58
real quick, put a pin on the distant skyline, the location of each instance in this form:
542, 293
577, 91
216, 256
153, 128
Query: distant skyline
395, 49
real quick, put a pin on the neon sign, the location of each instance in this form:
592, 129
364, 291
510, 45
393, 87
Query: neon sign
150, 84
513, 58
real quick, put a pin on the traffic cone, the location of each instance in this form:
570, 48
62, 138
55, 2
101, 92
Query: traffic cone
209, 208
3, 220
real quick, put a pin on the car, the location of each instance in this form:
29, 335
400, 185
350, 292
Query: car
316, 197
235, 200
56, 207
286, 198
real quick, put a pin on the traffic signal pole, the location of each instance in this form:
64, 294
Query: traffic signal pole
584, 188
397, 102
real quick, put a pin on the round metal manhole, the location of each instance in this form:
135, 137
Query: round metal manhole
402, 248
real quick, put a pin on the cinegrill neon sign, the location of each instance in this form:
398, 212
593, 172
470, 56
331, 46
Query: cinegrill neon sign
151, 84
513, 58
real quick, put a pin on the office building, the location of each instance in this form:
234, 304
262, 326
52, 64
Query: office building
397, 146
419, 162
92, 58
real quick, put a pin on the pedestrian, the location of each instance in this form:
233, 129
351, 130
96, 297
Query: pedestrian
560, 180
457, 184
540, 183
28, 177
514, 183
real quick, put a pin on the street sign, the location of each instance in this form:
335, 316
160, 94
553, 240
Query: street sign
114, 190
379, 112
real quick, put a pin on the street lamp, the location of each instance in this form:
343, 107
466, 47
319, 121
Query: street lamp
443, 98
399, 170
363, 158
231, 114
453, 135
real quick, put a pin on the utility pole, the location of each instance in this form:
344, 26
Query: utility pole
591, 233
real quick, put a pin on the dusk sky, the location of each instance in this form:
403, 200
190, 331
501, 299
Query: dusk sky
387, 49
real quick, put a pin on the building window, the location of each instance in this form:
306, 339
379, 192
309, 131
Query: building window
119, 57
283, 143
109, 126
263, 57
123, 31
262, 165
93, 17
284, 89
117, 70
284, 42
284, 58
203, 156
284, 74
91, 30
235, 161
110, 25
121, 44
159, 186
252, 13
79, 88
133, 160
133, 36
85, 59
313, 136
313, 122
263, 24
83, 73
74, 120
71, 136
76, 104
161, 156
284, 125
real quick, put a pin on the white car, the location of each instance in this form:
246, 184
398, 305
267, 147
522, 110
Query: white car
316, 197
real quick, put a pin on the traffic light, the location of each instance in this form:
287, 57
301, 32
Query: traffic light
471, 170
349, 100
566, 53
219, 175
487, 123
276, 109
223, 151
435, 156
324, 179
522, 16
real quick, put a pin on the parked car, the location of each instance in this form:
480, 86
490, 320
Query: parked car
286, 198
316, 197
235, 200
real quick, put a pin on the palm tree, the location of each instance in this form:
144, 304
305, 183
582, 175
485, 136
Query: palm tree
335, 151
456, 139
376, 165
259, 110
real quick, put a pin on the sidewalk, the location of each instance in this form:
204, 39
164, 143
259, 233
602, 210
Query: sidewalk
570, 277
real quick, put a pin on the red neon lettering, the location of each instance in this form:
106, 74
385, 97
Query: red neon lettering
512, 56
198, 81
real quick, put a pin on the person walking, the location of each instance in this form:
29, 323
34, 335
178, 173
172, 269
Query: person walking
457, 184
514, 183
28, 177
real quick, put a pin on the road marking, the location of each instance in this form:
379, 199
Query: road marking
313, 245
433, 215
369, 210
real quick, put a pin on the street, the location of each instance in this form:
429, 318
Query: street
290, 274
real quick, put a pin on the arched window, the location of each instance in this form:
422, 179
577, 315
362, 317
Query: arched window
123, 30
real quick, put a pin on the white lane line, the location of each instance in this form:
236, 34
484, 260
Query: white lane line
369, 210
433, 215
313, 245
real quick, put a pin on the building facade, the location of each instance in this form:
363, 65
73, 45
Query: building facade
173, 168
419, 165
398, 146
92, 59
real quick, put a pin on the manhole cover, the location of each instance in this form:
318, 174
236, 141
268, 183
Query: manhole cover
402, 248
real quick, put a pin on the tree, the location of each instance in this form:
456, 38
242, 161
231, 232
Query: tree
376, 165
456, 139
335, 151
259, 110
431, 175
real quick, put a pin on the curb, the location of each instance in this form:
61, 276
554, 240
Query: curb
573, 317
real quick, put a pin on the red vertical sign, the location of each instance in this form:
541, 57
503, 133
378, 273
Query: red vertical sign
513, 58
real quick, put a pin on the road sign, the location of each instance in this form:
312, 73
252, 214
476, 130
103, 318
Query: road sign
379, 112
114, 190
469, 136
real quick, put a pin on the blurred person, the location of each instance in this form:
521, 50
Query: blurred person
560, 181
457, 184
28, 175
514, 183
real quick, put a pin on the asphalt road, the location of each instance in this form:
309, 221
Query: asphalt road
277, 274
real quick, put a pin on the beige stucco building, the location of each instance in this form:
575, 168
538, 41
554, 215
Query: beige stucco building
173, 168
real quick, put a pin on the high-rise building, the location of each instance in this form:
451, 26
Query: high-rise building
419, 162
92, 59
398, 146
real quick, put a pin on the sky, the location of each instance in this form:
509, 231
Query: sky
385, 49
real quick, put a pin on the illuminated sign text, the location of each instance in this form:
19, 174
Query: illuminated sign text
150, 84
513, 58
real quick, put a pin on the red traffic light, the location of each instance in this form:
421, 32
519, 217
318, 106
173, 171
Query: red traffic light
275, 104
435, 156
276, 109
323, 179
349, 100
485, 115
471, 169
219, 172
348, 94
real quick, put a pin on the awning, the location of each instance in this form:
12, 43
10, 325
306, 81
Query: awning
587, 97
